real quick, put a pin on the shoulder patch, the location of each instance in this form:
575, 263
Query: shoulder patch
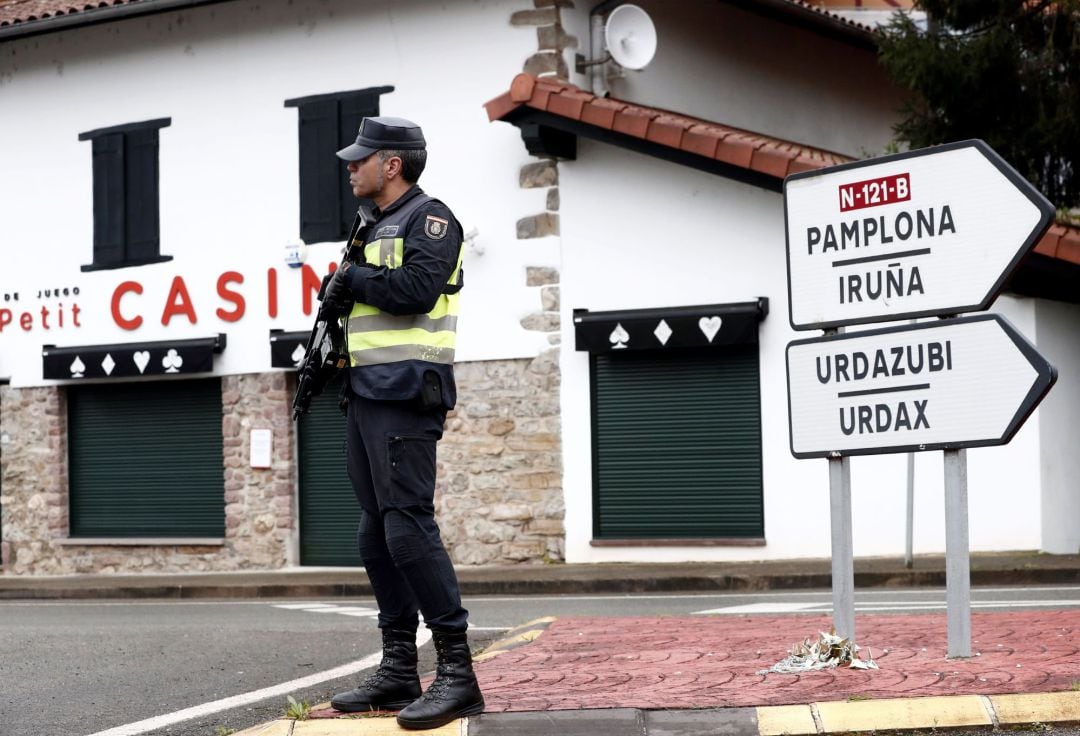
436, 227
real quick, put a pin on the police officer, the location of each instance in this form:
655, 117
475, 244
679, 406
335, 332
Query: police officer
400, 298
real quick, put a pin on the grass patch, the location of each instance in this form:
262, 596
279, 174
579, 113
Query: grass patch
297, 711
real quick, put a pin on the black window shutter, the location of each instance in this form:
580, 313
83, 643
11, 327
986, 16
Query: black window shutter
320, 173
353, 109
141, 217
108, 157
677, 444
145, 459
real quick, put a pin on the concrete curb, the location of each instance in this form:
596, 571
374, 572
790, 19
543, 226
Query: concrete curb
614, 578
811, 719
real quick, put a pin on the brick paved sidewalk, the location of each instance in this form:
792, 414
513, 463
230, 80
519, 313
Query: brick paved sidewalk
712, 661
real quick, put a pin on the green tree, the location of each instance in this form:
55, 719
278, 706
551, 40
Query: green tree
1006, 71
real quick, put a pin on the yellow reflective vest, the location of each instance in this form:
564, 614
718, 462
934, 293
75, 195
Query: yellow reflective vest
376, 337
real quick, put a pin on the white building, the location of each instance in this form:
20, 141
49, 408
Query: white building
160, 161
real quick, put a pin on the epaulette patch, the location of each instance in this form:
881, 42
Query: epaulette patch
436, 227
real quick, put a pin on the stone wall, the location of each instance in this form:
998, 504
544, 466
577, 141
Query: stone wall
33, 477
259, 514
259, 505
499, 495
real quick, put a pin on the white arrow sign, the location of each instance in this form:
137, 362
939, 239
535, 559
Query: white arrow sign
929, 232
965, 382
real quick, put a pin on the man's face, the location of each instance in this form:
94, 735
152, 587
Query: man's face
366, 177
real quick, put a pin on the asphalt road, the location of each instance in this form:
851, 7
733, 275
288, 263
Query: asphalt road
75, 668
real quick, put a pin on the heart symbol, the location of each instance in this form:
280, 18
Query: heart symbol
142, 359
709, 326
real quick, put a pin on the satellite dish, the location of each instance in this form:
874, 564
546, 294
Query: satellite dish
630, 37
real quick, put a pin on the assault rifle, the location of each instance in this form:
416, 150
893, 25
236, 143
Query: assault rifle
327, 353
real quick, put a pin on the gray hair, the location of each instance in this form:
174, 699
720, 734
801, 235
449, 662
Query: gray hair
413, 162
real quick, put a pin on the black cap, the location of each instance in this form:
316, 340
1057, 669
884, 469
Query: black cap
377, 134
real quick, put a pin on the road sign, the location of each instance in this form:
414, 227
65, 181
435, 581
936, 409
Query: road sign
963, 382
929, 232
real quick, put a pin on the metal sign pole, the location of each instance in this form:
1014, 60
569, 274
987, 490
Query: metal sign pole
957, 563
843, 564
909, 558
843, 568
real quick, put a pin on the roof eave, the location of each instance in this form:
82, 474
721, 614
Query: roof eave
94, 16
823, 23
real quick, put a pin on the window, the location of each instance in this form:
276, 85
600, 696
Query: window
126, 228
328, 123
677, 444
676, 423
145, 459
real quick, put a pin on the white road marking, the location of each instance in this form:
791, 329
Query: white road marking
778, 607
875, 606
304, 606
361, 611
151, 724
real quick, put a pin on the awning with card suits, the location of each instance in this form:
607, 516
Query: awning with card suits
127, 360
706, 326
287, 348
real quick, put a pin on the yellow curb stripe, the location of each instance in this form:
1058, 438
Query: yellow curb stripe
517, 637
273, 728
945, 711
1037, 707
777, 720
369, 726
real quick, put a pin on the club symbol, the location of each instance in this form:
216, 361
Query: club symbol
172, 361
709, 326
108, 364
142, 359
298, 354
618, 337
78, 368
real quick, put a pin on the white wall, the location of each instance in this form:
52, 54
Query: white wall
731, 66
640, 233
229, 162
1057, 338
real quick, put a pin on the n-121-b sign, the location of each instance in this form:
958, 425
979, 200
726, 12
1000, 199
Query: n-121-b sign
963, 382
929, 232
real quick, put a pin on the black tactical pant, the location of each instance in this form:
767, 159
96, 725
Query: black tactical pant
391, 458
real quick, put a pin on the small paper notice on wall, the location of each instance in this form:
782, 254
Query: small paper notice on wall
261, 441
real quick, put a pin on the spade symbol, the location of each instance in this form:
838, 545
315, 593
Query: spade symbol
618, 337
78, 368
298, 354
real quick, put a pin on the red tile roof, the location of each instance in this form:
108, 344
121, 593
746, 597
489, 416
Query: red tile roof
741, 148
744, 149
27, 11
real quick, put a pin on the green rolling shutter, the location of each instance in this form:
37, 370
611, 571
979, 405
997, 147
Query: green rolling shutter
329, 512
677, 444
146, 459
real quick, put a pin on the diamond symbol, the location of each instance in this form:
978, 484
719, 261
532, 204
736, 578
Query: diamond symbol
662, 332
108, 364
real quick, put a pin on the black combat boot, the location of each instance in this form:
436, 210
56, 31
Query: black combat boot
454, 692
391, 687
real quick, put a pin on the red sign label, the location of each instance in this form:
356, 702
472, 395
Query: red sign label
874, 192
